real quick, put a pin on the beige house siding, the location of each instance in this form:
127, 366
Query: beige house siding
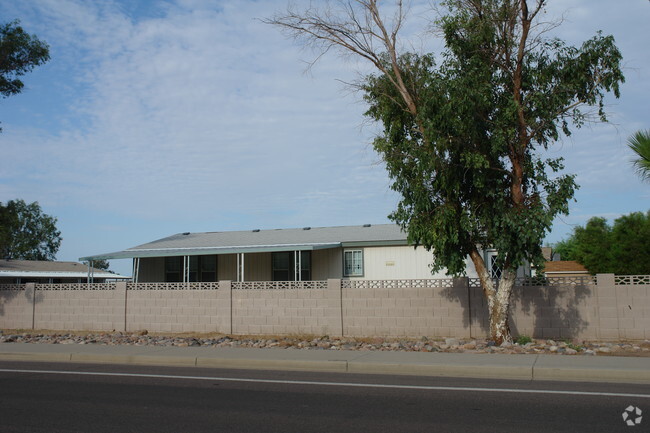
227, 267
327, 263
400, 262
152, 269
257, 267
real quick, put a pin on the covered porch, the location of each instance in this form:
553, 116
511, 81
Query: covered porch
282, 265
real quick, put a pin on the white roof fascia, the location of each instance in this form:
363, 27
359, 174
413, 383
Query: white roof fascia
55, 274
189, 251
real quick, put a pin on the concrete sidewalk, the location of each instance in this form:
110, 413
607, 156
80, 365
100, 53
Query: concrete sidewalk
526, 367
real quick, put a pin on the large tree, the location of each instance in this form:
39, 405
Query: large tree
462, 134
20, 52
26, 233
622, 249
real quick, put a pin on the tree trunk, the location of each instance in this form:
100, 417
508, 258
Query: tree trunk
500, 308
498, 298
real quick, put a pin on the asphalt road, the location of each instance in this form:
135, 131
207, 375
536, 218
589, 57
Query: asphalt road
109, 398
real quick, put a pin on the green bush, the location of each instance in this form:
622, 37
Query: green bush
523, 339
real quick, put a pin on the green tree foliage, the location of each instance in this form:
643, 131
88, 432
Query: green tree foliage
102, 264
20, 52
463, 133
26, 233
622, 249
640, 145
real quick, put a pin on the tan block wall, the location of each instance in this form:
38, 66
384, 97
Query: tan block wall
178, 310
16, 308
428, 311
569, 311
596, 311
286, 311
82, 310
625, 314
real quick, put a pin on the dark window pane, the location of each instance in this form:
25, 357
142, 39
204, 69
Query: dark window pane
281, 275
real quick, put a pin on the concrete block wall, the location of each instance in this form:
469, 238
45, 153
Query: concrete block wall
624, 313
17, 307
605, 310
79, 310
183, 310
287, 311
83, 310
555, 311
406, 311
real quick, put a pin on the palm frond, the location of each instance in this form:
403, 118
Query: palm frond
640, 145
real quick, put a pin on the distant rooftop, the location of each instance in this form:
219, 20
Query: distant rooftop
565, 266
248, 241
49, 269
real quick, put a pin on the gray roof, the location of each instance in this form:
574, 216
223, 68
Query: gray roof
45, 269
308, 238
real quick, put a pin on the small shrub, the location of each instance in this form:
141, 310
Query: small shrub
575, 347
523, 339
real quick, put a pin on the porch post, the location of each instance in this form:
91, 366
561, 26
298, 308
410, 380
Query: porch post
240, 267
297, 266
243, 268
136, 269
186, 269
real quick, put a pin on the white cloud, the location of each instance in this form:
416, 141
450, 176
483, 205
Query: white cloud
193, 116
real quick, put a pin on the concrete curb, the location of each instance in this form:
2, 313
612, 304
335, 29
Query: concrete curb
484, 366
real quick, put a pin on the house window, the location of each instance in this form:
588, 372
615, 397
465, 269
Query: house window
353, 263
208, 268
283, 266
495, 269
202, 268
173, 269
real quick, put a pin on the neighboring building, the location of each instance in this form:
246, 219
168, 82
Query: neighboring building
565, 268
318, 253
35, 271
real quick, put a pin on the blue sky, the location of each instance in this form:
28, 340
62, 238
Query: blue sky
159, 117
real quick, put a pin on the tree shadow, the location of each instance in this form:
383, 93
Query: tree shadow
469, 295
13, 293
6, 296
540, 311
555, 309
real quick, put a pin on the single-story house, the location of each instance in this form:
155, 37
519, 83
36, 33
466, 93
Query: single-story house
47, 272
372, 252
565, 268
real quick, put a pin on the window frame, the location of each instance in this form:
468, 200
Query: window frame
197, 270
362, 262
305, 268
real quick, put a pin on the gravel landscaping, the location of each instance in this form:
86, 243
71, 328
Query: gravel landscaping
304, 342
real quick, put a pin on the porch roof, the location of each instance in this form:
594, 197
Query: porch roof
255, 241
